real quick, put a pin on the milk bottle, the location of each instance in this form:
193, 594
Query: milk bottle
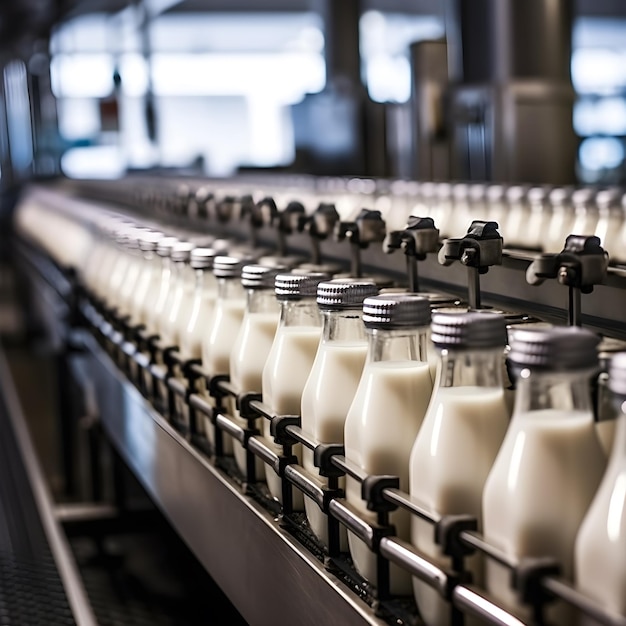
253, 343
517, 217
113, 282
561, 219
334, 378
204, 296
290, 360
538, 220
610, 220
147, 282
585, 211
163, 251
459, 437
133, 271
387, 412
599, 566
496, 205
551, 461
222, 329
177, 307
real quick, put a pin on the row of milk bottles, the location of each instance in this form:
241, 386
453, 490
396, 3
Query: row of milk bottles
531, 217
536, 478
408, 394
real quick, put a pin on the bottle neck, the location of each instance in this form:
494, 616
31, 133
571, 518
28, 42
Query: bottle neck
407, 344
471, 368
206, 283
262, 301
558, 391
304, 312
230, 289
343, 325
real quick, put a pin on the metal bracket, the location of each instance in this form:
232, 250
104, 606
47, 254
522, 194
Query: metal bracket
478, 251
419, 238
581, 265
368, 227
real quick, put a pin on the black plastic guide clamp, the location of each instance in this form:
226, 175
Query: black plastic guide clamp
368, 227
581, 265
419, 238
320, 226
478, 251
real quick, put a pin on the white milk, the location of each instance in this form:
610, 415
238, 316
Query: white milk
381, 426
284, 376
199, 317
537, 493
249, 353
222, 333
599, 564
450, 460
326, 400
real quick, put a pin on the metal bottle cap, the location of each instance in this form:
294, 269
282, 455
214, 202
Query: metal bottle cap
468, 330
344, 293
148, 241
228, 266
558, 349
396, 310
202, 258
165, 245
258, 276
181, 252
617, 374
295, 286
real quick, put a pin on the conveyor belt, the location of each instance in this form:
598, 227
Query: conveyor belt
38, 580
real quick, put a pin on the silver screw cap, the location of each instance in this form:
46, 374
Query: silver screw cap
258, 276
468, 330
344, 293
558, 349
225, 266
181, 251
296, 286
396, 310
149, 240
165, 245
202, 258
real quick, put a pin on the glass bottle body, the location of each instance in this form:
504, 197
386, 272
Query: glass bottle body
382, 423
543, 479
453, 453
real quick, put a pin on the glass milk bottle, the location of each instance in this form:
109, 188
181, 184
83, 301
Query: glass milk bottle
163, 251
253, 343
290, 360
561, 219
133, 270
178, 306
148, 275
551, 460
387, 412
202, 303
334, 378
222, 329
460, 436
610, 220
599, 565
113, 281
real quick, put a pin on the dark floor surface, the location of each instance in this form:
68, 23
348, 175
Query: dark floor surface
144, 576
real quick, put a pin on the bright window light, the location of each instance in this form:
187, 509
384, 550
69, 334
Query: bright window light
597, 70
385, 43
280, 77
93, 162
598, 153
82, 75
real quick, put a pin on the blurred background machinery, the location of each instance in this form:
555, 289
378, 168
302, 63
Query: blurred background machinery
469, 90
